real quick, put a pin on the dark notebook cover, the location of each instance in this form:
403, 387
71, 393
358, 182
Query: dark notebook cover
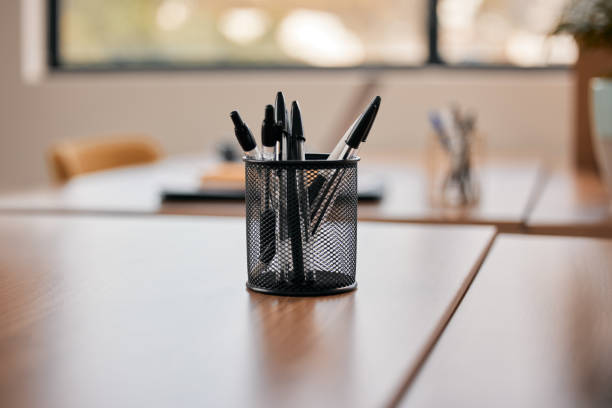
370, 191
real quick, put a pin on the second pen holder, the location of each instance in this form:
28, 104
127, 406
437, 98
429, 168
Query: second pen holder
301, 219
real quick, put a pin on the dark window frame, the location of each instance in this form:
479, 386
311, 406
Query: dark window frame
433, 59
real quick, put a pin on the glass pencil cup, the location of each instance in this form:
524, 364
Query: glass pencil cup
301, 219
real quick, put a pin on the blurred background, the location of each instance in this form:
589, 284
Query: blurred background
174, 69
307, 33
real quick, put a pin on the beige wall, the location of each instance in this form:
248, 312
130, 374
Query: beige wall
519, 112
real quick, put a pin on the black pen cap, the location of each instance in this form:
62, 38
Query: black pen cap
375, 105
243, 133
268, 131
281, 111
297, 130
360, 132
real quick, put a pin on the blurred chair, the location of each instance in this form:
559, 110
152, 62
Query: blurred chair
69, 159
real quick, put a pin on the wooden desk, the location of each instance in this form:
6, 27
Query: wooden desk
507, 189
572, 203
534, 330
153, 311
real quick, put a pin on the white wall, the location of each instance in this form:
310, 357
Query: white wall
520, 112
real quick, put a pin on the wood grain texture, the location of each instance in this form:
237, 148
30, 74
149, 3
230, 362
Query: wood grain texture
534, 330
506, 191
572, 203
124, 312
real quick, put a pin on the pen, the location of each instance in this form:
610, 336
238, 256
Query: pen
292, 153
357, 134
245, 137
348, 146
375, 104
436, 123
282, 123
297, 131
267, 219
451, 130
268, 134
289, 148
354, 136
283, 192
267, 241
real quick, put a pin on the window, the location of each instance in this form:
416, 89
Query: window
503, 32
241, 33
116, 34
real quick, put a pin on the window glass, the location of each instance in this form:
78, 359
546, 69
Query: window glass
503, 32
242, 33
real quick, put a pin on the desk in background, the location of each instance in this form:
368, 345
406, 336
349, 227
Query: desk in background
507, 191
572, 203
120, 311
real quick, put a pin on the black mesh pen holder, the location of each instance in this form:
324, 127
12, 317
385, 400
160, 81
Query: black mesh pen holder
301, 219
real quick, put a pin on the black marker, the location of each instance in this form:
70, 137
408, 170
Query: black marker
245, 137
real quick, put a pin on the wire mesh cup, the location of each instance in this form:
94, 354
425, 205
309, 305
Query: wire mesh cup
301, 219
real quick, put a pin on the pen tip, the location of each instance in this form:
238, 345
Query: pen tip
295, 111
268, 130
373, 111
269, 115
360, 132
296, 120
281, 110
236, 118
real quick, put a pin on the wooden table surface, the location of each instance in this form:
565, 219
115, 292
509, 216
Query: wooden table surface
572, 203
534, 330
507, 190
153, 311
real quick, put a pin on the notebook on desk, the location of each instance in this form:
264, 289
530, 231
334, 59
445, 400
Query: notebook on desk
226, 182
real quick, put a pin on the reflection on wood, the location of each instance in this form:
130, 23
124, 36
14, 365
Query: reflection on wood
153, 311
